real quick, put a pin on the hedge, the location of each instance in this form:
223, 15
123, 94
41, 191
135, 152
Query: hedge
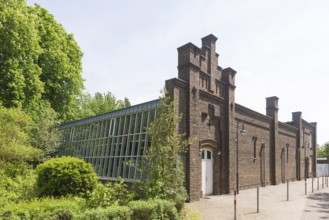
39, 209
135, 210
112, 212
153, 209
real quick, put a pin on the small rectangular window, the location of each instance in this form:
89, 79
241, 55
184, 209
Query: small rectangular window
208, 154
218, 89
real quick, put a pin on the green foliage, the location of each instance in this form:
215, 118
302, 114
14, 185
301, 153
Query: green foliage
15, 126
60, 62
153, 209
323, 151
44, 133
113, 212
161, 163
190, 214
16, 183
99, 103
137, 210
65, 176
38, 59
19, 49
45, 208
109, 194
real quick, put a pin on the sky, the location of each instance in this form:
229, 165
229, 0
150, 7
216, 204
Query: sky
278, 48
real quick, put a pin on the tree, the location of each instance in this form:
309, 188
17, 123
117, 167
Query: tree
38, 59
60, 62
15, 146
19, 49
161, 167
99, 103
323, 151
44, 133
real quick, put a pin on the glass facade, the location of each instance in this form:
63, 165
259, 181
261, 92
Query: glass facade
112, 142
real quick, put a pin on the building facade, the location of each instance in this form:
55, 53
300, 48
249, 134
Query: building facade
234, 148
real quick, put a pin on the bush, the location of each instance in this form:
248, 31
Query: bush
46, 208
65, 176
14, 189
112, 193
113, 212
153, 209
15, 127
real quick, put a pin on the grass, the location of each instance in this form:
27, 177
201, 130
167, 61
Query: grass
190, 214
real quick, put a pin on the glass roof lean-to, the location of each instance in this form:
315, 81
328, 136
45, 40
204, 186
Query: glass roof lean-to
124, 111
112, 142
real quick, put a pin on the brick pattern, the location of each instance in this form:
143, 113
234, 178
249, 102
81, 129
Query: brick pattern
270, 152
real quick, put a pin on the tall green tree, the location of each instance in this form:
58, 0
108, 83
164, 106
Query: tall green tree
44, 133
60, 62
20, 81
323, 151
161, 167
38, 59
99, 103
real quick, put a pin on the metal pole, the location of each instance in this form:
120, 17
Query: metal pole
305, 187
236, 158
257, 199
318, 183
322, 182
234, 204
287, 190
312, 184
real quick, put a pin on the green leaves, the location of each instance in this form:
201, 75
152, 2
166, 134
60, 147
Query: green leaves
61, 65
65, 176
38, 59
19, 47
161, 164
15, 126
99, 103
323, 151
112, 193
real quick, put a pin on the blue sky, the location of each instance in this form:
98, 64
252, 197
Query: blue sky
278, 47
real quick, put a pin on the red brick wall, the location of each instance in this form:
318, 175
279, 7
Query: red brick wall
204, 94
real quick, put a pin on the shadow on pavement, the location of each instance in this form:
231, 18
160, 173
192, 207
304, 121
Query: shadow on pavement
322, 202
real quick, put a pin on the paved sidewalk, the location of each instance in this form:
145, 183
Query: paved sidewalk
273, 203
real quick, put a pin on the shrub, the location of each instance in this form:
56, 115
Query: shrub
113, 212
153, 209
45, 208
65, 176
14, 189
112, 193
15, 127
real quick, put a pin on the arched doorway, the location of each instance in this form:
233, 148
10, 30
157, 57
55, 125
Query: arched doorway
207, 171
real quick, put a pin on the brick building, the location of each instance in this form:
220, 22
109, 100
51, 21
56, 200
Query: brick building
235, 147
